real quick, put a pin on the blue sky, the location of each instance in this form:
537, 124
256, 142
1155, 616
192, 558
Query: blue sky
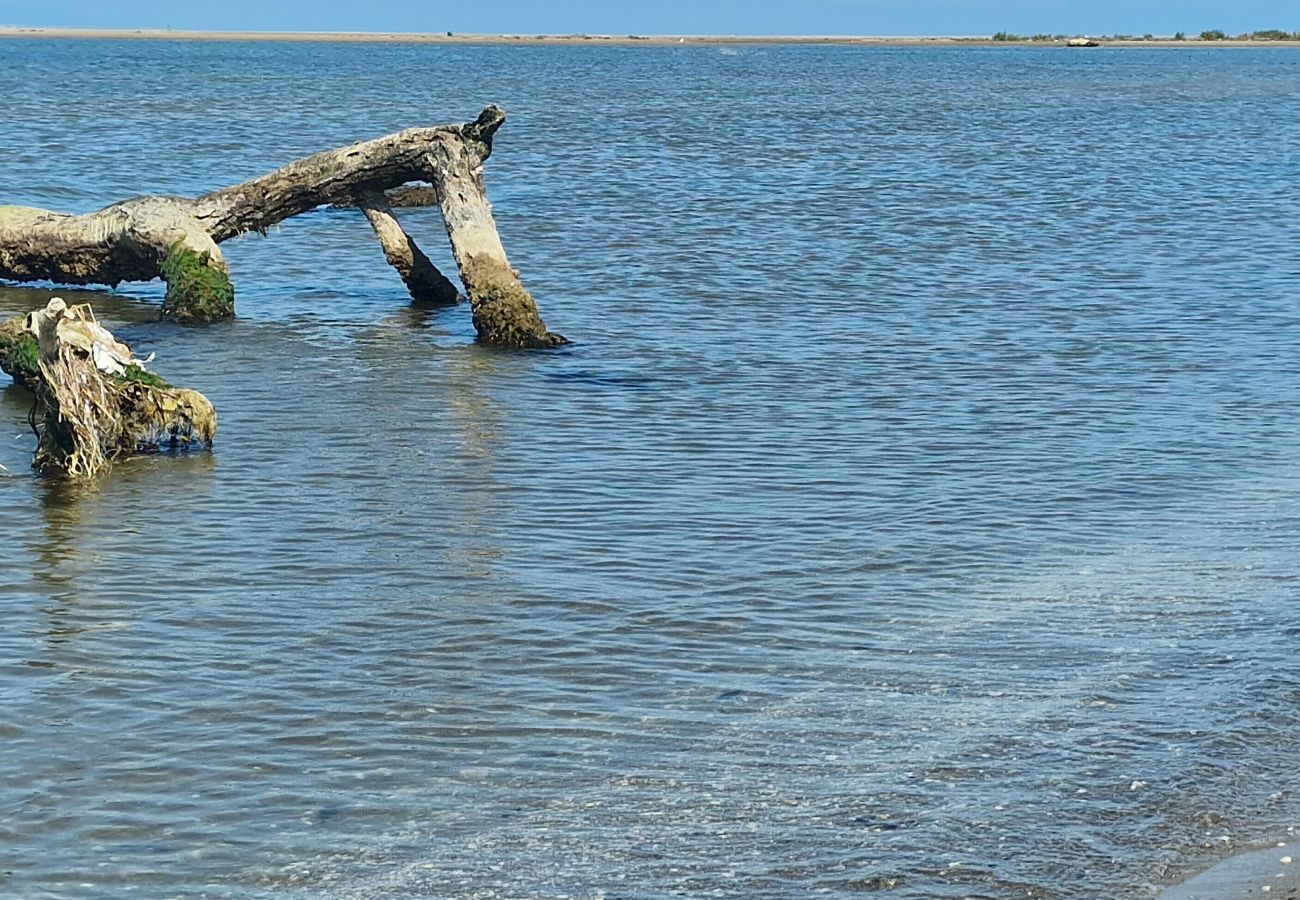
867, 17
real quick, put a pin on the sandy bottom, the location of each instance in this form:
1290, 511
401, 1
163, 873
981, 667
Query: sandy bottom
1274, 872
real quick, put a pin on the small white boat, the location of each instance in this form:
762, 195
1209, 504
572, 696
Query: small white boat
1082, 42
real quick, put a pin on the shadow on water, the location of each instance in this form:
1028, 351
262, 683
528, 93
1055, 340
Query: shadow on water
17, 440
62, 565
419, 319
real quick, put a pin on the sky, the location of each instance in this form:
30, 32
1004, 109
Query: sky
757, 17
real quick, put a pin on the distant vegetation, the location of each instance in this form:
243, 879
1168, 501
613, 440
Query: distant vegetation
1008, 37
1268, 34
1213, 34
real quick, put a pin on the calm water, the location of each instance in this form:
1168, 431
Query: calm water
916, 511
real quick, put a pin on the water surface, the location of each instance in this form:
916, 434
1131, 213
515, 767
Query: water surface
915, 512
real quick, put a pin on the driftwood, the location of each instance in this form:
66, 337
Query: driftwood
99, 402
176, 238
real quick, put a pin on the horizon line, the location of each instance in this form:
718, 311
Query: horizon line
353, 36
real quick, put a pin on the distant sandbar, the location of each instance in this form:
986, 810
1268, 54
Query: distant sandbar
365, 37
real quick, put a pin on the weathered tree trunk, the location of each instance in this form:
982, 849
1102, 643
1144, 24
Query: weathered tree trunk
176, 238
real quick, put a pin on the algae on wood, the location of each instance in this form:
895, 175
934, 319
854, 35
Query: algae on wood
197, 290
20, 354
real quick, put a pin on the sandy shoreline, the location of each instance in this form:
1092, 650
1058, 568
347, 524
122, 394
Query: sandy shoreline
9, 31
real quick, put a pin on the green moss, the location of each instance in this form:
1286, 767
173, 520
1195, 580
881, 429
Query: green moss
20, 354
196, 291
25, 354
140, 376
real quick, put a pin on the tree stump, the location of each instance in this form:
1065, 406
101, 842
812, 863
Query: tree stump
100, 402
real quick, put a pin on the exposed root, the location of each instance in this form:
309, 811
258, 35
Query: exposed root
100, 403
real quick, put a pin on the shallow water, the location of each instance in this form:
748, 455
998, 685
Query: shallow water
916, 510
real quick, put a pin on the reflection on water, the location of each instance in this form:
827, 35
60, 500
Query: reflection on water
57, 547
915, 513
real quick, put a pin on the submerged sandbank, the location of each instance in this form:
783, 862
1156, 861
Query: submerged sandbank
365, 37
1273, 873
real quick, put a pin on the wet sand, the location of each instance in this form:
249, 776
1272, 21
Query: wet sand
360, 37
1274, 873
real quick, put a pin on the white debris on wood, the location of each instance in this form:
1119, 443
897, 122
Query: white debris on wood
75, 326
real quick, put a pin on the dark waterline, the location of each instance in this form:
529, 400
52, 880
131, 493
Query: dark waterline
918, 506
